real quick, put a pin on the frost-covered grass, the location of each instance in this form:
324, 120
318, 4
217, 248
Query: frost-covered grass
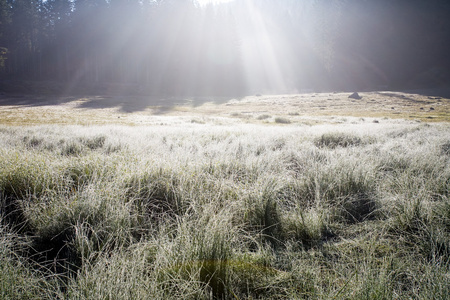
349, 211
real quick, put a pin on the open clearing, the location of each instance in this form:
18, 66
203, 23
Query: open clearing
311, 108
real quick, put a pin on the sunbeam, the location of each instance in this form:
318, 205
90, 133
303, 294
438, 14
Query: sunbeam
214, 2
263, 51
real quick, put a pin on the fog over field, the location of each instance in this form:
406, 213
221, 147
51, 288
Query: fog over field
223, 48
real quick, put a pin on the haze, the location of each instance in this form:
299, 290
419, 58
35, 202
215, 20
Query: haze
182, 47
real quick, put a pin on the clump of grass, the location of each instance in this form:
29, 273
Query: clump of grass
32, 142
307, 227
197, 121
338, 181
263, 117
274, 222
445, 148
73, 224
157, 193
357, 208
337, 139
22, 174
278, 144
93, 143
264, 218
240, 115
18, 278
234, 170
281, 120
260, 149
72, 148
199, 255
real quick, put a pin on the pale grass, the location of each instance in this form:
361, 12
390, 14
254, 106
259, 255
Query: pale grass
351, 210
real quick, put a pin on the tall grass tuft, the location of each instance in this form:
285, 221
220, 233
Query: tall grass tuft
18, 277
337, 139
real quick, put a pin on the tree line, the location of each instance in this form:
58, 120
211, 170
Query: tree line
178, 47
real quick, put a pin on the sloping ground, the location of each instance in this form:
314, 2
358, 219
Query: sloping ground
296, 108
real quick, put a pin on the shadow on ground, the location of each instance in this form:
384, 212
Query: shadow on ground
396, 95
126, 104
160, 104
30, 100
436, 92
127, 97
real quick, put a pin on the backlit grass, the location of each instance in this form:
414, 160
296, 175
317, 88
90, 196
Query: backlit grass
344, 211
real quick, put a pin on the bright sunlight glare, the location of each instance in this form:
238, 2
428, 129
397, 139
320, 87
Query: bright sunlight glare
206, 2
239, 47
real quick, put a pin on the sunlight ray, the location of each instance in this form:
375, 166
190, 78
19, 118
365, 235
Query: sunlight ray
263, 50
213, 2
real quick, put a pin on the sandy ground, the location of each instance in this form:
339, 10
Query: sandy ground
423, 106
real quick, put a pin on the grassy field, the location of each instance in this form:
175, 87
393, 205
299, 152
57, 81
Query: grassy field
268, 197
310, 109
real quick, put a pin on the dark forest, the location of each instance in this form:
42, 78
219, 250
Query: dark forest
179, 47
